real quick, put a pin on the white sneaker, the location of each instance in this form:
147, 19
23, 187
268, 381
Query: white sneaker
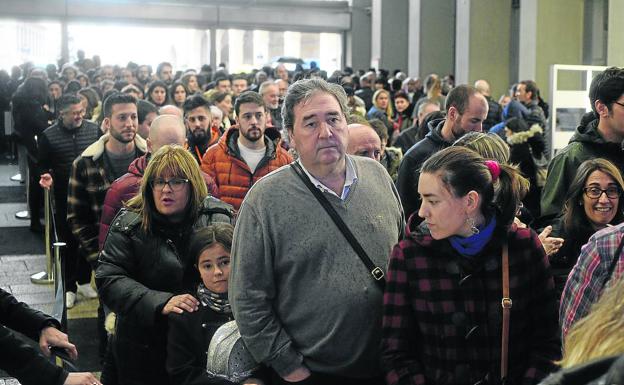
70, 299
86, 291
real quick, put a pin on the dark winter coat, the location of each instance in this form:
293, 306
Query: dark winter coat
136, 276
18, 358
442, 312
587, 143
30, 119
407, 179
187, 346
59, 146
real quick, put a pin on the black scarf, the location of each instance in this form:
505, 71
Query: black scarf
217, 302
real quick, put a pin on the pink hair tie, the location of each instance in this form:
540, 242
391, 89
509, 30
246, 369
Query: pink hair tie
494, 168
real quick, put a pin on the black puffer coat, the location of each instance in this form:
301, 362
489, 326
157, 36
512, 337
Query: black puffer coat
137, 274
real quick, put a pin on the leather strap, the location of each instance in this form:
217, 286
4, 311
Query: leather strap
506, 303
376, 271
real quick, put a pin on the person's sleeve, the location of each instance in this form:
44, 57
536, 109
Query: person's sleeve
208, 164
110, 208
252, 291
118, 289
43, 160
399, 335
582, 288
80, 217
186, 365
25, 363
407, 186
560, 172
22, 318
545, 341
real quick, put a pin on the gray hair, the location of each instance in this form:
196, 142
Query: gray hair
303, 90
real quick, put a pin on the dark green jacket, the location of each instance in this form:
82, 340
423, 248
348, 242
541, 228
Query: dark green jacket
586, 144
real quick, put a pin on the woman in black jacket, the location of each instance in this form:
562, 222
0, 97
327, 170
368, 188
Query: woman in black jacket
141, 267
190, 333
593, 202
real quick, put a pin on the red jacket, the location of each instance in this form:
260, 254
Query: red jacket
126, 187
223, 162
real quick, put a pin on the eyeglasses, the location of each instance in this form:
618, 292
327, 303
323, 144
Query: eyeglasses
621, 104
175, 184
595, 192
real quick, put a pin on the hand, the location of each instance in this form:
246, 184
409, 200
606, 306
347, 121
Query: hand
46, 181
519, 223
253, 381
181, 303
51, 336
551, 245
82, 379
299, 374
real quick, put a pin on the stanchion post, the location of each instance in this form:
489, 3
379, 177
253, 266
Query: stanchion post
46, 277
60, 280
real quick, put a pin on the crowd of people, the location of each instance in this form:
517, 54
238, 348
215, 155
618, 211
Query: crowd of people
359, 227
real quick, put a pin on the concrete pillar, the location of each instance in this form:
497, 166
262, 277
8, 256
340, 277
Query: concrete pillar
413, 39
213, 48
436, 49
615, 34
389, 41
483, 43
528, 39
358, 39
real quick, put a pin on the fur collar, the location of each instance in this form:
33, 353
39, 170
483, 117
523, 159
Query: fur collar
524, 136
96, 149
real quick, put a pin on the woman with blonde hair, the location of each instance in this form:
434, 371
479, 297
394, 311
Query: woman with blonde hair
382, 110
140, 273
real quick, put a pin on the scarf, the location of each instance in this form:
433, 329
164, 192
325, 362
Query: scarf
474, 244
215, 301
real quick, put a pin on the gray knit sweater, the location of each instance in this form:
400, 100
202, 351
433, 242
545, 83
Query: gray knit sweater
298, 291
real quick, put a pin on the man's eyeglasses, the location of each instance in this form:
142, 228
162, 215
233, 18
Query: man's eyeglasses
175, 184
621, 104
595, 192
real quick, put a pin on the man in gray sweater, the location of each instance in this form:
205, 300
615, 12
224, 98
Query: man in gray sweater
305, 303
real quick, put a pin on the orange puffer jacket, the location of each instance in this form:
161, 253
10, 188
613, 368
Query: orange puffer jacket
224, 164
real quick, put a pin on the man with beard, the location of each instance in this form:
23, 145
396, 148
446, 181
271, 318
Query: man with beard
58, 146
246, 152
270, 95
466, 109
98, 166
198, 118
94, 171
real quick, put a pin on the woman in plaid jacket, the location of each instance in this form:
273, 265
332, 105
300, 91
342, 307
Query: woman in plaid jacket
442, 320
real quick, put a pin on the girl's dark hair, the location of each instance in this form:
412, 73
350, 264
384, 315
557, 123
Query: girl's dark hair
205, 237
201, 239
575, 221
462, 170
150, 89
172, 90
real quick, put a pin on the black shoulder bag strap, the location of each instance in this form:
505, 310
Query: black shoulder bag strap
376, 271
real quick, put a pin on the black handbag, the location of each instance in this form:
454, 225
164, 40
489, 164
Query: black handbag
376, 271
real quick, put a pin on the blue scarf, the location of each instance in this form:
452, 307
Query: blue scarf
473, 244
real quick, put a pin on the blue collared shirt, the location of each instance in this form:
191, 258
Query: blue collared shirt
350, 178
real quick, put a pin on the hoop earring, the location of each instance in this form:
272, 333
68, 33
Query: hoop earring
473, 228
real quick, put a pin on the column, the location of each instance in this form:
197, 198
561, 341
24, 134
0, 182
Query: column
615, 35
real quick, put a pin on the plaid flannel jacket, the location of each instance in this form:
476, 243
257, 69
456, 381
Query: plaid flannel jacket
88, 184
590, 275
442, 317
